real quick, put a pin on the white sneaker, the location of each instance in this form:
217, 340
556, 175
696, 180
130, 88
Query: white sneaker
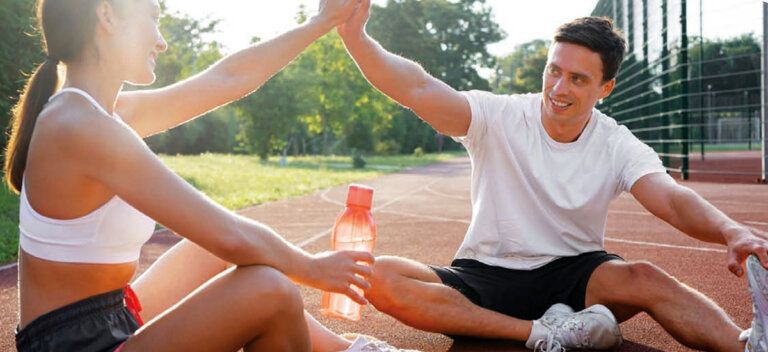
558, 309
369, 344
744, 336
757, 277
560, 328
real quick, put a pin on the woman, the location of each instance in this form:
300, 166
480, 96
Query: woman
91, 191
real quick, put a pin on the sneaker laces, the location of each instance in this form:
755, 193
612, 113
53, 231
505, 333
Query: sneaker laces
744, 336
569, 331
377, 346
370, 344
548, 345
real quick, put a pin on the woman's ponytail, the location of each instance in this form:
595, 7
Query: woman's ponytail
38, 90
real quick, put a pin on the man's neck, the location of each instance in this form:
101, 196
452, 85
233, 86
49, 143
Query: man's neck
564, 131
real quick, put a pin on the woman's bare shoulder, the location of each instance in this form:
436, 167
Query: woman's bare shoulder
75, 129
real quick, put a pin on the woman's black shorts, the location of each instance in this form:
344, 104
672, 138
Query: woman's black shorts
96, 324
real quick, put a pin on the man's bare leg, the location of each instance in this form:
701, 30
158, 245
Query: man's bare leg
412, 293
689, 316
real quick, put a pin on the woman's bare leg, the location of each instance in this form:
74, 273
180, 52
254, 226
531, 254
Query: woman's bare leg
184, 268
253, 307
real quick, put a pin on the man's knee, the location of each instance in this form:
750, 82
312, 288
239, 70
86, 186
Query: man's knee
645, 273
634, 284
385, 280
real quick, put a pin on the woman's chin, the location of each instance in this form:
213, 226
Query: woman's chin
142, 81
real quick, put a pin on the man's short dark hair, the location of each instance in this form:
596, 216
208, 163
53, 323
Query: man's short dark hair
599, 35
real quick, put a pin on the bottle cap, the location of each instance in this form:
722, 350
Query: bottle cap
360, 195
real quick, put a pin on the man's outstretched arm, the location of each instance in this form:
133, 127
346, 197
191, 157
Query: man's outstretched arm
687, 211
445, 109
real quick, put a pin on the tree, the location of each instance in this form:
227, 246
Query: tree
320, 103
343, 101
449, 39
189, 53
321, 97
20, 52
521, 71
268, 116
738, 57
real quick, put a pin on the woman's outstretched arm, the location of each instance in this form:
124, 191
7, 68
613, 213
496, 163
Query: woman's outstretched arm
152, 111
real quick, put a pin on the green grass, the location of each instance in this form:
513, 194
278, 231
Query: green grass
9, 225
238, 181
727, 147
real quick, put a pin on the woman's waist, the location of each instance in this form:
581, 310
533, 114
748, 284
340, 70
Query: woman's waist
45, 285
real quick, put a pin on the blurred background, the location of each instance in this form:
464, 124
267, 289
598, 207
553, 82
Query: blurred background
692, 86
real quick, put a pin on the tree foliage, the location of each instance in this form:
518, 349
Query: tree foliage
521, 71
20, 52
320, 103
449, 39
726, 63
189, 52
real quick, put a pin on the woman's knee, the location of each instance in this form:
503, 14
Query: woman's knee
262, 284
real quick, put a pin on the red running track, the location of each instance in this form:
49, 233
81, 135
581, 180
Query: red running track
423, 213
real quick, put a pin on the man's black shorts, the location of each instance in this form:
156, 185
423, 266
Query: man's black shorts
524, 294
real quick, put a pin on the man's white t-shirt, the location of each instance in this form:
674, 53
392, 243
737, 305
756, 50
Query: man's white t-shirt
535, 199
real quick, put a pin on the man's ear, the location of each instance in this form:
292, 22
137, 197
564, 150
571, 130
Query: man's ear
608, 88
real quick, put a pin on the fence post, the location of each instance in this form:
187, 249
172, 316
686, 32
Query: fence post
749, 119
683, 71
764, 92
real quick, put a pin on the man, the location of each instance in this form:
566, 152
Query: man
544, 169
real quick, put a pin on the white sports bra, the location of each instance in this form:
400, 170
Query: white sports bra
113, 233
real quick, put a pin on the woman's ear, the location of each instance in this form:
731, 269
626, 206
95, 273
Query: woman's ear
106, 17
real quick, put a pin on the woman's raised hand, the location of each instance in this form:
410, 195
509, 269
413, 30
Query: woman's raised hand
337, 12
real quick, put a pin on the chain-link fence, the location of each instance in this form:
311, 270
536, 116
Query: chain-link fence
691, 85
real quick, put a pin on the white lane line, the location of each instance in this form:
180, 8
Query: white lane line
446, 195
625, 212
611, 239
315, 237
324, 196
663, 245
426, 217
401, 197
733, 202
628, 196
321, 234
326, 232
628, 212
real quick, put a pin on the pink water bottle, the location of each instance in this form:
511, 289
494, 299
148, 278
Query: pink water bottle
354, 230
